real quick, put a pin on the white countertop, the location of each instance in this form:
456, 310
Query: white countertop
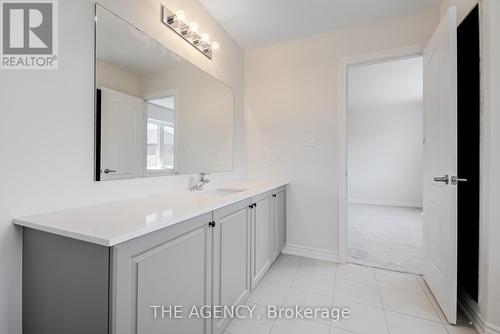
116, 222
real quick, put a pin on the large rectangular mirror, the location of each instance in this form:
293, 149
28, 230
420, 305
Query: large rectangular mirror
156, 113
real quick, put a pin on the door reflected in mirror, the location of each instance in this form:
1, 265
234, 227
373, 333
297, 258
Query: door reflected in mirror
156, 113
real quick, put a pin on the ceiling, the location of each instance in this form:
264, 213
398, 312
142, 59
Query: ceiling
395, 82
258, 23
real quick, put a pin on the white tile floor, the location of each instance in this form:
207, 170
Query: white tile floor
380, 301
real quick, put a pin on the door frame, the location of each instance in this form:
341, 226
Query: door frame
345, 63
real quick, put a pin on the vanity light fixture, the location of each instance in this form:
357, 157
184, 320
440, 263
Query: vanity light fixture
189, 32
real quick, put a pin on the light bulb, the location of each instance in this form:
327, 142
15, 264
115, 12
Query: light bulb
215, 45
194, 27
205, 37
180, 15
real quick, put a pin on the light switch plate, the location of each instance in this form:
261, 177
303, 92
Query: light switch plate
270, 155
310, 140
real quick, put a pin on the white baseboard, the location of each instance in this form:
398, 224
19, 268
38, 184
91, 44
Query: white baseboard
385, 203
313, 253
471, 309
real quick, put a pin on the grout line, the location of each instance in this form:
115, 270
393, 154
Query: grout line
379, 288
274, 282
345, 330
365, 283
416, 316
333, 297
434, 303
311, 292
384, 269
382, 304
405, 291
299, 267
412, 315
287, 292
354, 281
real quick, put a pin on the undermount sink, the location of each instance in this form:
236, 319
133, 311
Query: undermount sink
221, 192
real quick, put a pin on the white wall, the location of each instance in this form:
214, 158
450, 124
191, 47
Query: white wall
204, 131
385, 133
47, 136
489, 288
204, 111
110, 76
292, 92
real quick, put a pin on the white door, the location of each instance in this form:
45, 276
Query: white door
440, 164
122, 135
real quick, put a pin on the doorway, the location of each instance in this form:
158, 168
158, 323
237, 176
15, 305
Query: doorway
384, 137
451, 154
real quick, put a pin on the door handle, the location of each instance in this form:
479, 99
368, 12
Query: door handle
107, 171
455, 180
445, 179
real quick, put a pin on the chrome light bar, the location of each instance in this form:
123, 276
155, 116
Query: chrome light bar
189, 32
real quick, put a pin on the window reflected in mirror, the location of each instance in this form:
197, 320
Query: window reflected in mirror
160, 134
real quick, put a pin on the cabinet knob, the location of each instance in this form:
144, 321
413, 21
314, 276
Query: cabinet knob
211, 224
274, 195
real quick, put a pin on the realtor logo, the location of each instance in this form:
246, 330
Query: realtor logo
29, 34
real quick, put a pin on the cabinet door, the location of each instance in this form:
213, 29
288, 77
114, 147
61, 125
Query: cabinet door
261, 237
231, 258
279, 200
168, 267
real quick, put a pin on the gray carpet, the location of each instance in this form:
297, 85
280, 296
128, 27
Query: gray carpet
385, 237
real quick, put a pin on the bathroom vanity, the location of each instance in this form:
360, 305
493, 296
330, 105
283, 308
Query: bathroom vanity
108, 268
103, 269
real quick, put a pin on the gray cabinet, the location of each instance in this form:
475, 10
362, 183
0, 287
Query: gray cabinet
65, 285
167, 267
213, 259
231, 258
279, 222
261, 237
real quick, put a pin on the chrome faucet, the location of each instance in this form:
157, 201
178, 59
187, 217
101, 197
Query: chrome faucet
200, 181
